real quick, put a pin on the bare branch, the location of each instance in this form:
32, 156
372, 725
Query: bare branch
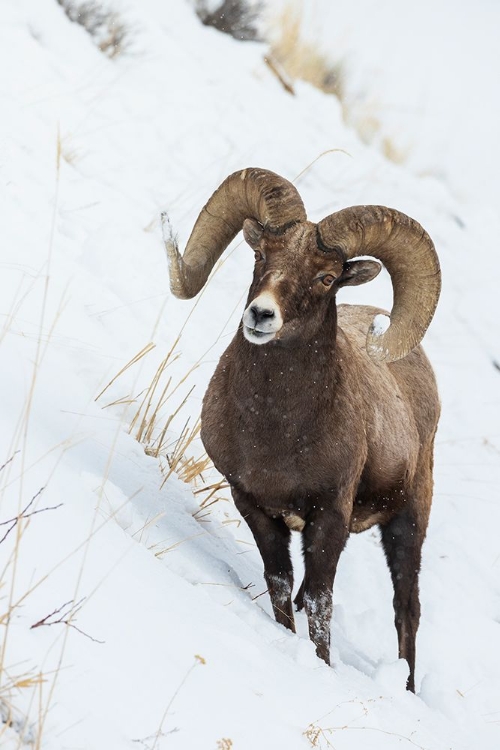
9, 460
43, 621
24, 514
66, 618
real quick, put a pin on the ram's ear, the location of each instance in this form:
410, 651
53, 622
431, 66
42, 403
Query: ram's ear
356, 272
252, 232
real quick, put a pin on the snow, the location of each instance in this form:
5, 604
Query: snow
380, 324
191, 655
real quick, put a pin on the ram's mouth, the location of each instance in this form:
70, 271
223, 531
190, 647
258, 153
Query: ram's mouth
259, 334
257, 337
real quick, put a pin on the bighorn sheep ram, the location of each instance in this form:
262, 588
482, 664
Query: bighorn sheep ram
321, 420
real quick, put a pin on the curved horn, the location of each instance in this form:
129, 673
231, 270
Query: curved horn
408, 253
249, 193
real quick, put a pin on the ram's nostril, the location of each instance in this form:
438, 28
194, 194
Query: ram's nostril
261, 313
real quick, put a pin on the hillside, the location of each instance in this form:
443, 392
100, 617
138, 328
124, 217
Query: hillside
152, 631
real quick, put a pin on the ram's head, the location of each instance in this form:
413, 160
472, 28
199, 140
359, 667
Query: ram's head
299, 265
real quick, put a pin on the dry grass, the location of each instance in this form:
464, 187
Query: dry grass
370, 129
209, 492
151, 422
152, 419
15, 525
394, 152
108, 31
150, 426
319, 737
39, 688
189, 469
69, 152
293, 58
144, 424
153, 741
302, 60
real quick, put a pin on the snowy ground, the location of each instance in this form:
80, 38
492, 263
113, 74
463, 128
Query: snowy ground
170, 648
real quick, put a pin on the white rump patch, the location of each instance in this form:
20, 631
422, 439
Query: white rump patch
293, 521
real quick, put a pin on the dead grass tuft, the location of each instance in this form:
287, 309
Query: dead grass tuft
108, 31
209, 492
189, 469
300, 59
69, 152
292, 58
317, 736
150, 426
145, 424
393, 152
370, 129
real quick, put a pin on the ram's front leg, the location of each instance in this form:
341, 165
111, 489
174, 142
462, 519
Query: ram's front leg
324, 538
272, 537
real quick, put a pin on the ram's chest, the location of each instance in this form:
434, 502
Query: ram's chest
270, 446
268, 422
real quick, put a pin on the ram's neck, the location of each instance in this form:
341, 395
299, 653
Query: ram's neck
279, 382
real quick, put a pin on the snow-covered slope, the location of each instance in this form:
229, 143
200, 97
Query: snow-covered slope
172, 646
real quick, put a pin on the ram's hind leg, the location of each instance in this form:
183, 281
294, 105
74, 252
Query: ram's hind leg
402, 539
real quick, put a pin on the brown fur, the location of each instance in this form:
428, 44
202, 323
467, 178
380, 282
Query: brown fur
310, 431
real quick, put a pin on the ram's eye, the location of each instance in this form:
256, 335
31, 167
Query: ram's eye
328, 279
258, 255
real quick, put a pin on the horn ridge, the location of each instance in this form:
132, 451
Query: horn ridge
249, 193
408, 253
